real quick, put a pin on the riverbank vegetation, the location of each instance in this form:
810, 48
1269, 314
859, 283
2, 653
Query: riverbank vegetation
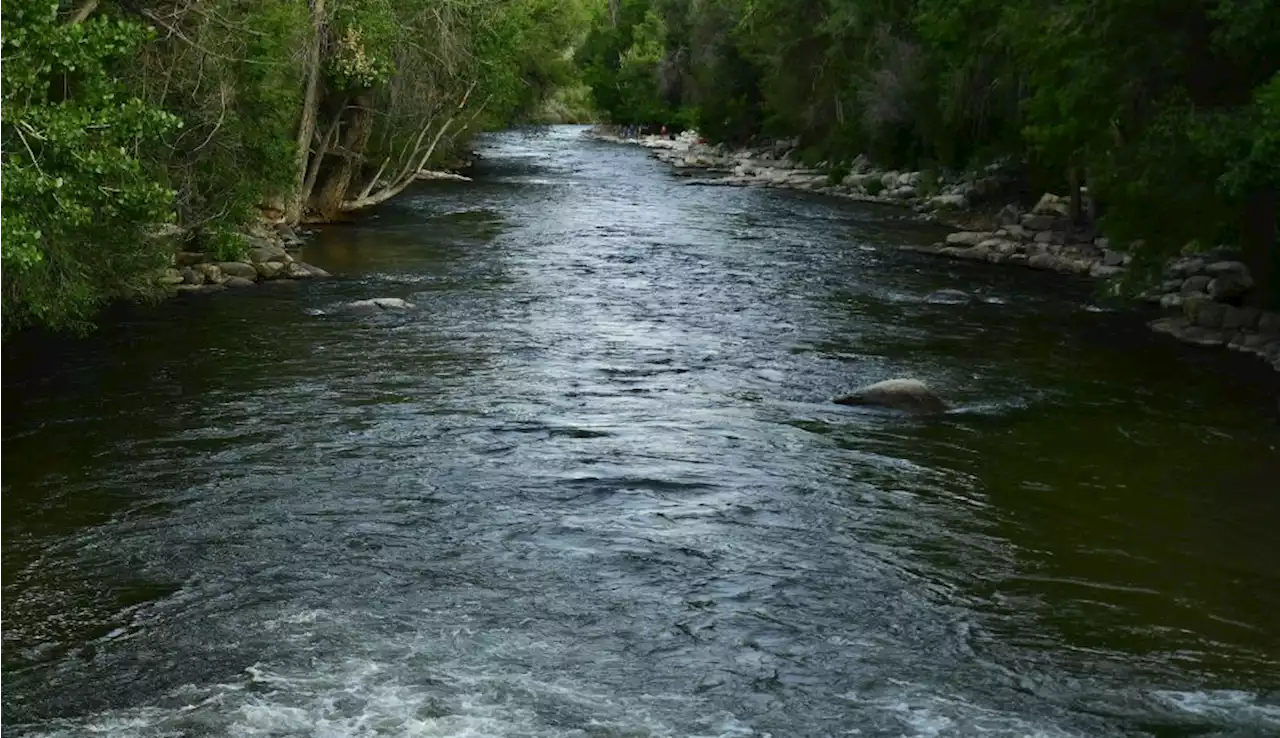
1166, 113
125, 119
120, 117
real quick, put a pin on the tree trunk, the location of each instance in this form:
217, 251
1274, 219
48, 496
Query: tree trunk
1260, 248
416, 160
317, 160
366, 200
328, 204
310, 106
82, 11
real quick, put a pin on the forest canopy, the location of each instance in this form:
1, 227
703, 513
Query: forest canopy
122, 116
1169, 110
123, 119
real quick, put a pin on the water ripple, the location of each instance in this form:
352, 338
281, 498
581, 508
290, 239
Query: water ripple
594, 486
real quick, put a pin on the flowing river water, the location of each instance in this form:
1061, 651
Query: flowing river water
594, 486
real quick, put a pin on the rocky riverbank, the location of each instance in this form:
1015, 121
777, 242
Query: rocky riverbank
775, 166
266, 257
1203, 295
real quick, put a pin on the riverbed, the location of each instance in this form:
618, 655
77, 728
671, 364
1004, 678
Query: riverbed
593, 485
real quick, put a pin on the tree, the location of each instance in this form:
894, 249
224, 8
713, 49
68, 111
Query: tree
1166, 108
77, 195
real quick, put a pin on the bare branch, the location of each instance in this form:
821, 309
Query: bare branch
374, 180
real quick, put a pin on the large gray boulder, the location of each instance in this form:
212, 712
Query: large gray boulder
170, 277
1194, 285
1230, 285
1187, 266
269, 269
238, 269
860, 180
1009, 215
1269, 323
1033, 222
967, 238
1051, 204
212, 273
908, 395
953, 201
268, 251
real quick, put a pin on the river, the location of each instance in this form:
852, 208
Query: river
594, 486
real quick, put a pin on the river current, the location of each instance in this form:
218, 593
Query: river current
593, 486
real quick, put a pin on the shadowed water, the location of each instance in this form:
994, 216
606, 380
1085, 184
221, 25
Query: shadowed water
594, 486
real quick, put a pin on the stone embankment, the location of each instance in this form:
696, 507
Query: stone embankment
1203, 295
1040, 239
774, 166
266, 258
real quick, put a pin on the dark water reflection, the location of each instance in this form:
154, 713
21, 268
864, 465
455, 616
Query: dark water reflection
593, 486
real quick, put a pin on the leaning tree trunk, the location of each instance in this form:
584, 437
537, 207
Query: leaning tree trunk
1260, 247
307, 123
317, 158
413, 163
328, 202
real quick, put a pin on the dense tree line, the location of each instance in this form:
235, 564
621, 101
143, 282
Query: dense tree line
123, 115
1168, 110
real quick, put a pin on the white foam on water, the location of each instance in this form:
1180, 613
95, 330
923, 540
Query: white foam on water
1227, 707
538, 181
369, 699
911, 711
388, 698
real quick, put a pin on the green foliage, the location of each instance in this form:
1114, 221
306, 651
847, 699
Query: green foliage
525, 46
1169, 108
505, 58
76, 195
568, 104
928, 186
836, 174
239, 94
223, 244
365, 33
110, 129
620, 63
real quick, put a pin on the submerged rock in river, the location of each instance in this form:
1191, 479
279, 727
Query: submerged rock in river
380, 303
948, 297
910, 395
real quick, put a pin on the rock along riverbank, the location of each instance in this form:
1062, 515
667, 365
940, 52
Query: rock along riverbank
266, 257
1202, 295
